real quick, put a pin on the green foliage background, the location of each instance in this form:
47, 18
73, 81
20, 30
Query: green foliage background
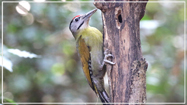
57, 76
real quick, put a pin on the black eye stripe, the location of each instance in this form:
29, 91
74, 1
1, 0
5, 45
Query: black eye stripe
80, 25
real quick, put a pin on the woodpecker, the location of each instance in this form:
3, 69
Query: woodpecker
89, 43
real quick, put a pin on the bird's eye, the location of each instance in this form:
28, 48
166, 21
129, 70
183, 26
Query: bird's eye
77, 19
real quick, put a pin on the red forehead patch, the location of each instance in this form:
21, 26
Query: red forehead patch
76, 16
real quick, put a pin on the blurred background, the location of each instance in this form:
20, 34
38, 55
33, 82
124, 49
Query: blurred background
41, 64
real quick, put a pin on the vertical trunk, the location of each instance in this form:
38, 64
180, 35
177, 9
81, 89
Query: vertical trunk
127, 78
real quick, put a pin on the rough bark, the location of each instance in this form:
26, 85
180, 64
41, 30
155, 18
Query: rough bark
127, 78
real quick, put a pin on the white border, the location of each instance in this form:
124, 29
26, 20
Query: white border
97, 1
2, 49
112, 2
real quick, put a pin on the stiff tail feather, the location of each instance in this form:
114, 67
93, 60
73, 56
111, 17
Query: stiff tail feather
104, 97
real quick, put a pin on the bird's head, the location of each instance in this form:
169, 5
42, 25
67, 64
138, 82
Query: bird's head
80, 22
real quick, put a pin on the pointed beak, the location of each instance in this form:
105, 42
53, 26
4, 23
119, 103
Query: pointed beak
88, 15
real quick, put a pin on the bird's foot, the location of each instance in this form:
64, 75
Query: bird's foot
105, 60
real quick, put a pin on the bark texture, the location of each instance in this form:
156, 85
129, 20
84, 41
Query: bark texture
127, 78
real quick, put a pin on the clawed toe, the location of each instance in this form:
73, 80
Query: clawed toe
109, 55
106, 52
110, 62
106, 56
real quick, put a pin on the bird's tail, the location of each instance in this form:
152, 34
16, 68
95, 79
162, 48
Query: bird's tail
104, 97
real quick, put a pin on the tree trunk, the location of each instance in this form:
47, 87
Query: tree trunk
127, 78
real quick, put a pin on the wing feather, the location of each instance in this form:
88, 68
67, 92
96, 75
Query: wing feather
84, 53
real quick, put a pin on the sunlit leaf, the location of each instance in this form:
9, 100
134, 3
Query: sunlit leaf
6, 63
24, 54
149, 24
8, 101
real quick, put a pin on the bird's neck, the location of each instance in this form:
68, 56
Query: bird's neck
81, 31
